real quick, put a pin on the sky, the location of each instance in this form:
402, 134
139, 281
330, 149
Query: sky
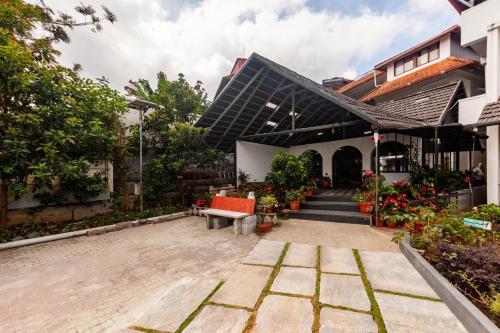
202, 38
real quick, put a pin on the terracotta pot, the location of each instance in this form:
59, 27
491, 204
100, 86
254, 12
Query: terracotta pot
264, 227
379, 222
391, 224
309, 193
326, 184
365, 208
294, 205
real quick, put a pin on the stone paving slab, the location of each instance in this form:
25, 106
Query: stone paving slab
406, 314
279, 314
392, 271
244, 286
344, 290
171, 309
295, 280
338, 260
301, 255
340, 321
265, 253
218, 319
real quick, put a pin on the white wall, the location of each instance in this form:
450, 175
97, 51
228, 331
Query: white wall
255, 158
469, 109
475, 20
363, 144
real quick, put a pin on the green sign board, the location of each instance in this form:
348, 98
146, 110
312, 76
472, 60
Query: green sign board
477, 223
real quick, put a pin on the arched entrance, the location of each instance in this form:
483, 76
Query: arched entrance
347, 164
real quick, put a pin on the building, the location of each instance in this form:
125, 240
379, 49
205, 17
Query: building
433, 102
480, 23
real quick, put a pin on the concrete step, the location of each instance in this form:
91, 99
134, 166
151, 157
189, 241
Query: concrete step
331, 216
347, 206
336, 198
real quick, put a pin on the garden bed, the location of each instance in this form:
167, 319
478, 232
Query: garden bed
32, 230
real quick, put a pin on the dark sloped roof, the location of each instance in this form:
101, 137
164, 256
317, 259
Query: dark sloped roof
241, 108
428, 107
490, 114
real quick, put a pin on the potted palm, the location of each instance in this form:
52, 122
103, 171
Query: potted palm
293, 199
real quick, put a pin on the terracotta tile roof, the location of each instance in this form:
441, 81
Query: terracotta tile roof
490, 114
363, 79
429, 106
447, 65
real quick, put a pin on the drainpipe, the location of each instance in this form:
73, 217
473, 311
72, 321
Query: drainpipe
375, 139
436, 148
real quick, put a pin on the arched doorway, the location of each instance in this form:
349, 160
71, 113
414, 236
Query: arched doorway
347, 164
317, 165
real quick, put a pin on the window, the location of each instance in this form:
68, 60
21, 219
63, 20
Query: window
419, 58
393, 157
409, 64
398, 67
423, 57
433, 52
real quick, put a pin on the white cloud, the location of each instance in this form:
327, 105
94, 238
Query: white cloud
202, 39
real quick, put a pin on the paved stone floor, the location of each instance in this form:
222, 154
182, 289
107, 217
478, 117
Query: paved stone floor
178, 276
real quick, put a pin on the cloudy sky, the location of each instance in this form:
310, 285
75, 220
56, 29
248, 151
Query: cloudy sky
202, 38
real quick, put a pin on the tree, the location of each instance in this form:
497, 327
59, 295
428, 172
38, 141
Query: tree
170, 138
54, 124
179, 101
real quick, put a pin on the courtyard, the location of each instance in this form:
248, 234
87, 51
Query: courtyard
178, 275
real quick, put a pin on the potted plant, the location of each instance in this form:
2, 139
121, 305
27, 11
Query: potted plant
293, 199
302, 194
267, 203
200, 200
391, 219
326, 182
365, 201
310, 189
264, 226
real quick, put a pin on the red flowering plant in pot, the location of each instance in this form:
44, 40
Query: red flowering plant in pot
365, 196
293, 198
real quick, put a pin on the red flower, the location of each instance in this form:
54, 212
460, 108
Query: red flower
467, 179
369, 172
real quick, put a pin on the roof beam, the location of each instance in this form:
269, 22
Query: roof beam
276, 109
250, 123
249, 83
257, 86
305, 129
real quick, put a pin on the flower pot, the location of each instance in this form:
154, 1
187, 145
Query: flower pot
391, 224
294, 205
264, 227
378, 222
309, 193
326, 183
365, 208
200, 203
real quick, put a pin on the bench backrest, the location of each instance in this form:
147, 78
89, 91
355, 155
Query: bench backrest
234, 204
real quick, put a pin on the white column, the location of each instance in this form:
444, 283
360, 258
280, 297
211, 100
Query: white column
492, 94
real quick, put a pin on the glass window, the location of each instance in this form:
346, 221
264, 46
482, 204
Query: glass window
433, 52
409, 64
423, 57
393, 157
398, 67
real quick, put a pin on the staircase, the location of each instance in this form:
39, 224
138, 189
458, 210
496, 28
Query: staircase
331, 208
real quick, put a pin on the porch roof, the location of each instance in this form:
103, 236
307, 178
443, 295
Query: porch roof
267, 103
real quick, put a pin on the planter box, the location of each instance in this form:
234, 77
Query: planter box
468, 314
463, 197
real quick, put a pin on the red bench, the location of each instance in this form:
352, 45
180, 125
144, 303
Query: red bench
225, 208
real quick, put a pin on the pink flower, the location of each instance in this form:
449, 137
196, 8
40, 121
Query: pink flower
369, 172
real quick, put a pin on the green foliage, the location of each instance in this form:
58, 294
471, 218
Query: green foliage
292, 195
495, 304
177, 99
49, 116
289, 172
489, 212
243, 177
266, 203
